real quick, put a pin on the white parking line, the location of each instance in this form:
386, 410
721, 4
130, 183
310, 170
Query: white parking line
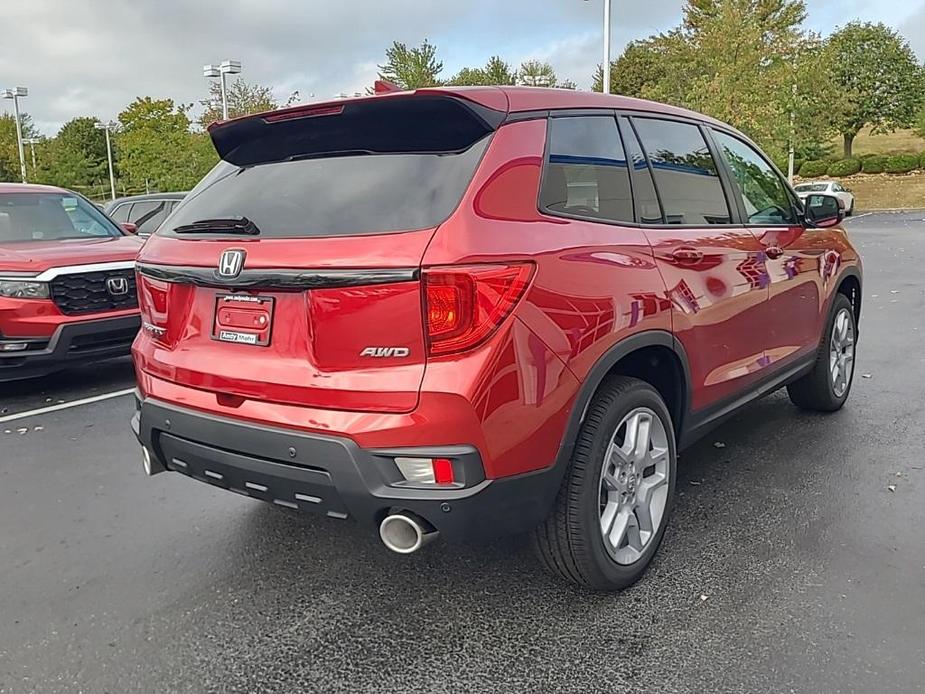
860, 216
66, 405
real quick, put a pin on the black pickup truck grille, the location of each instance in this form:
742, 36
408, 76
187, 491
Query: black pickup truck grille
95, 292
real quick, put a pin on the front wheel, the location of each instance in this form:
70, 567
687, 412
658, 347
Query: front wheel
826, 387
611, 511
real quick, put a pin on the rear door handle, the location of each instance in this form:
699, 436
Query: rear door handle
774, 252
687, 255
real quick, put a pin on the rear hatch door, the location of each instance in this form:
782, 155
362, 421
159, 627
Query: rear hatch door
291, 273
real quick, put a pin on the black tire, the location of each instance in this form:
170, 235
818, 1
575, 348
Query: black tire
815, 391
569, 542
850, 210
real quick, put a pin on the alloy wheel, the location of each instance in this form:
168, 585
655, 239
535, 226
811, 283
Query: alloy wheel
841, 352
634, 485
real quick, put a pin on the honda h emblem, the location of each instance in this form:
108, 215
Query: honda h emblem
231, 263
117, 286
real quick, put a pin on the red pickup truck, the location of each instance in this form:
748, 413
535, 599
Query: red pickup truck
67, 282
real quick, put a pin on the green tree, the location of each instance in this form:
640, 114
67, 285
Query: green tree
468, 77
499, 72
9, 149
495, 72
243, 99
638, 70
76, 157
879, 77
737, 60
537, 73
411, 68
157, 149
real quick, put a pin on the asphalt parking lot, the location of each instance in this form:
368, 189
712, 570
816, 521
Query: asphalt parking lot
795, 561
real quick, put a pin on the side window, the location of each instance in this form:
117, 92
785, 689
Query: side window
151, 220
648, 211
140, 209
685, 173
762, 191
586, 173
120, 214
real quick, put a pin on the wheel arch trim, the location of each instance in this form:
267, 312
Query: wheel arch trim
603, 366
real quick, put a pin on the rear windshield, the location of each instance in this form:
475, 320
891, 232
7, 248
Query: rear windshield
811, 187
51, 217
334, 195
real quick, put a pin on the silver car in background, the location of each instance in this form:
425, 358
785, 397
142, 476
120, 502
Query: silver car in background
834, 188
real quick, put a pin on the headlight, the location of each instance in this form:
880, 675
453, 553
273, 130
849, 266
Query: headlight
16, 289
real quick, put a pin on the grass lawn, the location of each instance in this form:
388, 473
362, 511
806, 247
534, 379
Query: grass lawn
891, 143
882, 191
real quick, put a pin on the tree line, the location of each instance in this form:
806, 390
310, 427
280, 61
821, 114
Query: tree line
157, 145
750, 63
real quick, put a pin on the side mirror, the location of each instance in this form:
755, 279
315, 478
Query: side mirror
129, 227
823, 211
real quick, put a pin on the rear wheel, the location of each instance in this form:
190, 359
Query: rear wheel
826, 387
611, 511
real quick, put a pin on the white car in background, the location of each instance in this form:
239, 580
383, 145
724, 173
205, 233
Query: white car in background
845, 196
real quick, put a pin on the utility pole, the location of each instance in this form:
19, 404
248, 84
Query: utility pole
606, 67
32, 141
226, 67
14, 94
112, 178
791, 157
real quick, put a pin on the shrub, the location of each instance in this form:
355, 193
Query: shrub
901, 163
814, 168
922, 161
874, 164
844, 167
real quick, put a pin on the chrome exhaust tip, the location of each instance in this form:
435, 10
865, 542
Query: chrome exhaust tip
152, 466
405, 533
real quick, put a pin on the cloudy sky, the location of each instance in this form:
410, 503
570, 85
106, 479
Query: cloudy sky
92, 57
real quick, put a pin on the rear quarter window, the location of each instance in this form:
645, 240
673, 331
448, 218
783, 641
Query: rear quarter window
586, 171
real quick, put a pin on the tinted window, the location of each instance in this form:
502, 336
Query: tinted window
335, 195
141, 209
586, 174
648, 211
685, 172
50, 217
151, 220
120, 213
762, 191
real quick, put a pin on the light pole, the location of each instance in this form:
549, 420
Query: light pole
14, 94
112, 179
32, 142
606, 70
226, 67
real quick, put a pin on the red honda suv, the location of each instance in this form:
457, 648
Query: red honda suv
67, 282
469, 312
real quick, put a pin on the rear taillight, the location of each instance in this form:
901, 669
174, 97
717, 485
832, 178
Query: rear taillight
465, 305
152, 302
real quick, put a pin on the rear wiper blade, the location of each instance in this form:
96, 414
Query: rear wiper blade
228, 225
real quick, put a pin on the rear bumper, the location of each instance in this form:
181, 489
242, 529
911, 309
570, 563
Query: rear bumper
71, 344
332, 475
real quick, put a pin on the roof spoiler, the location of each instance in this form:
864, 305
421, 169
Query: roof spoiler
412, 122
